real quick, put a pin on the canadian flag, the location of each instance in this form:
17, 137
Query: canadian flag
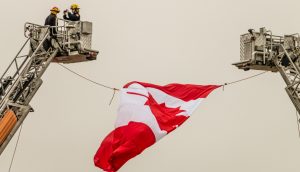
147, 112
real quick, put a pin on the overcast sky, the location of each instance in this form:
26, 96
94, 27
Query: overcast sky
251, 126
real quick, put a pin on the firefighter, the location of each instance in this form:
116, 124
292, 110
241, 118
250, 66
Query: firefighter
74, 16
51, 20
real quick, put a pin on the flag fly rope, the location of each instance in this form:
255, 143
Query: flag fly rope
116, 89
240, 80
94, 82
112, 98
15, 150
99, 84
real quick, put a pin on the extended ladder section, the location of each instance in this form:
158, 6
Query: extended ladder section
69, 42
264, 51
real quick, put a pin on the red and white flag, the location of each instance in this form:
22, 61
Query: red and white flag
147, 112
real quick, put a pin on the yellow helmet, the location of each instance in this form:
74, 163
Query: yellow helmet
55, 9
74, 6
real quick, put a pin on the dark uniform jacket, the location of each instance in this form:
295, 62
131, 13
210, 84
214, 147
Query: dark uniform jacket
72, 16
51, 21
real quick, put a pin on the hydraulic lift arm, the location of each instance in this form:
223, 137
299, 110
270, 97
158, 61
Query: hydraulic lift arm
22, 78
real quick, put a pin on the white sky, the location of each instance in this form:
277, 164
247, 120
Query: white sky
251, 126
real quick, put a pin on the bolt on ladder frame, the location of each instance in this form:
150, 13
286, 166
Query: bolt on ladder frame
264, 51
22, 78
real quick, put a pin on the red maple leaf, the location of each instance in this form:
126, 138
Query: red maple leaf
166, 117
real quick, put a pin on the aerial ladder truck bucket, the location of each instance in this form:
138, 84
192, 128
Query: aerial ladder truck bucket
68, 42
264, 51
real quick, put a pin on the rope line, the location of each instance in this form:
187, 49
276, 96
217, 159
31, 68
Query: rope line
112, 97
15, 150
116, 89
240, 80
99, 84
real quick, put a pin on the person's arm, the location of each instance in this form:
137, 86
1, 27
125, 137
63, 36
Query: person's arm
65, 15
74, 17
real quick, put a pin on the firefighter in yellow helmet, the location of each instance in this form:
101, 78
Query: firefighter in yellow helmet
51, 20
74, 16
